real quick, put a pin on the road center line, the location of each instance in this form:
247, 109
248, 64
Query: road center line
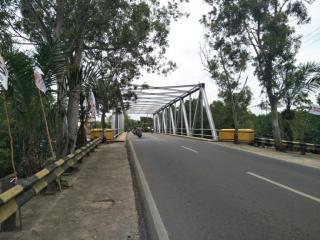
285, 187
190, 149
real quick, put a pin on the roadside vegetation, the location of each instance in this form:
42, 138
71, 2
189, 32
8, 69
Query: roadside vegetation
83, 48
261, 34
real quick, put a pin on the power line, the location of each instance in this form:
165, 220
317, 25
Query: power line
310, 44
311, 34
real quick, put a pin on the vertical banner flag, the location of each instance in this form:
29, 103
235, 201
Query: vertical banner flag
315, 109
39, 80
4, 74
92, 104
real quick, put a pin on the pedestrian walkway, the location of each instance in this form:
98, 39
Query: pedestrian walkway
99, 204
122, 137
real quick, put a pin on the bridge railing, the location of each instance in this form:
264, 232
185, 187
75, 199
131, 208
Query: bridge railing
196, 132
290, 145
14, 198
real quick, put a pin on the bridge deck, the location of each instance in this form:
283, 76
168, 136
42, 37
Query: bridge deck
205, 190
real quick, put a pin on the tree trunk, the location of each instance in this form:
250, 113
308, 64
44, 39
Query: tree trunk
74, 97
73, 117
268, 80
235, 122
275, 125
82, 134
103, 119
61, 127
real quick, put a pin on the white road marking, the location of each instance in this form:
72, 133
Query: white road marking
285, 187
190, 149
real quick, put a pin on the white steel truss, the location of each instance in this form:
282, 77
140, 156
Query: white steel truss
167, 118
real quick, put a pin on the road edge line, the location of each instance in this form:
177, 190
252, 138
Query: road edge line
155, 226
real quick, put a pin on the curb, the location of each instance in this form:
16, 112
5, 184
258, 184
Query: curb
154, 225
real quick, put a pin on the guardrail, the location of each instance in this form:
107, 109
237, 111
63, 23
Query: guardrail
17, 196
298, 146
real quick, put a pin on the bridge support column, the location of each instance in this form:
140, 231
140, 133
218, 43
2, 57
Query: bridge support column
164, 121
195, 115
184, 113
172, 121
158, 121
209, 114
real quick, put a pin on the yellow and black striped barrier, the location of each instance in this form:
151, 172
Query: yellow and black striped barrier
17, 196
294, 146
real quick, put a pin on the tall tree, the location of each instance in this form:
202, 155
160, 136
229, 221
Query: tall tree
264, 27
226, 61
101, 31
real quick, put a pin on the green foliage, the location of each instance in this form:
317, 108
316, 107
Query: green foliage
262, 30
222, 114
146, 123
26, 120
80, 45
305, 127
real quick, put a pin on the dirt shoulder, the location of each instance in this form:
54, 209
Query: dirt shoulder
100, 204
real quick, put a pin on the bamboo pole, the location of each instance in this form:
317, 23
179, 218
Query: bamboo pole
5, 105
46, 124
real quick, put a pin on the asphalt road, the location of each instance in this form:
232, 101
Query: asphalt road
206, 191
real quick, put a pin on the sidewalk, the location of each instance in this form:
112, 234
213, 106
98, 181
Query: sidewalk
309, 160
100, 204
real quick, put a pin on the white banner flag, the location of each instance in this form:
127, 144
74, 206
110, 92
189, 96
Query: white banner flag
315, 109
92, 104
85, 103
4, 74
39, 80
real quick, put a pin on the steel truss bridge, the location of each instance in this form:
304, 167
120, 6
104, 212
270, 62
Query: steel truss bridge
167, 105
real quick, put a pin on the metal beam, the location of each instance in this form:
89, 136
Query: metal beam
195, 114
164, 87
158, 94
185, 116
164, 121
209, 114
177, 99
158, 120
172, 121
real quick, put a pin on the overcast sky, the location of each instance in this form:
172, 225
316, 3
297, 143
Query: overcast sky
187, 35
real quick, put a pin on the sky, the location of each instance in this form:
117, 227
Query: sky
187, 35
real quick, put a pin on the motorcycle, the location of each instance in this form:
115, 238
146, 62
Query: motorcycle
138, 132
